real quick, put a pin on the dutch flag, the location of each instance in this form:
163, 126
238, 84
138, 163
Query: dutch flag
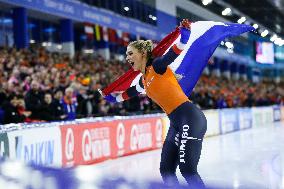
204, 39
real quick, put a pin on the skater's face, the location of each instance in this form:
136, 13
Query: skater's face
135, 58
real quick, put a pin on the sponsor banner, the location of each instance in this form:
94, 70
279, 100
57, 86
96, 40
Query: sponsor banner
4, 145
40, 146
229, 120
262, 116
245, 118
282, 113
276, 113
213, 122
89, 143
141, 135
84, 13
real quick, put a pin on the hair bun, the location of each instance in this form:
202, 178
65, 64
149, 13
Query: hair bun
142, 45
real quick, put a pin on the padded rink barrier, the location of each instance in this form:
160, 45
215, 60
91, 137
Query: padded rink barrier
81, 142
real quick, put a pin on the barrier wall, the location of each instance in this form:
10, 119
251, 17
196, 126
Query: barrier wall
88, 141
84, 141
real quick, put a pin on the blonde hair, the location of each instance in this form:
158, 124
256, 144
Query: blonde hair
142, 46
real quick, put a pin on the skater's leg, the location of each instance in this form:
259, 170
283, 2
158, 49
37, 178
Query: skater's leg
169, 157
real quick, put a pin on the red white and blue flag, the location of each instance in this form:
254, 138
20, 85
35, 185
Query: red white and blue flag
204, 39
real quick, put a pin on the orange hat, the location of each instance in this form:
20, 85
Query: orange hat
86, 81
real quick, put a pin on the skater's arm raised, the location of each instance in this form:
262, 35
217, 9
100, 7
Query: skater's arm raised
160, 64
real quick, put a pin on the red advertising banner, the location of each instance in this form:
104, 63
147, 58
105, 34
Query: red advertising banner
89, 143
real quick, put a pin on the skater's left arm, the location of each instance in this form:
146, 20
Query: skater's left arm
160, 64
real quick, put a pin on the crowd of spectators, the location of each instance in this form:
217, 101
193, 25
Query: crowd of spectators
213, 92
36, 85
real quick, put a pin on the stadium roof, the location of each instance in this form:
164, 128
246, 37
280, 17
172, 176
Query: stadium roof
268, 14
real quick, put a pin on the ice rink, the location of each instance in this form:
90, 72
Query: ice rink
250, 158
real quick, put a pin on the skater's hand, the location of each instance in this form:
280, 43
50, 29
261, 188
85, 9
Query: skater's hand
111, 98
185, 23
184, 30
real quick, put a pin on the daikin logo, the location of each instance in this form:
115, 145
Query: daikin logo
38, 152
69, 144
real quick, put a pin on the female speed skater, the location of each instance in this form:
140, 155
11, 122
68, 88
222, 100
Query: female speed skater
183, 143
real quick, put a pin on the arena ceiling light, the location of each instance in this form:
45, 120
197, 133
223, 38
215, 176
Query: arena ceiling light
242, 20
206, 2
152, 17
126, 9
279, 41
227, 12
264, 33
273, 38
32, 41
229, 45
255, 26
